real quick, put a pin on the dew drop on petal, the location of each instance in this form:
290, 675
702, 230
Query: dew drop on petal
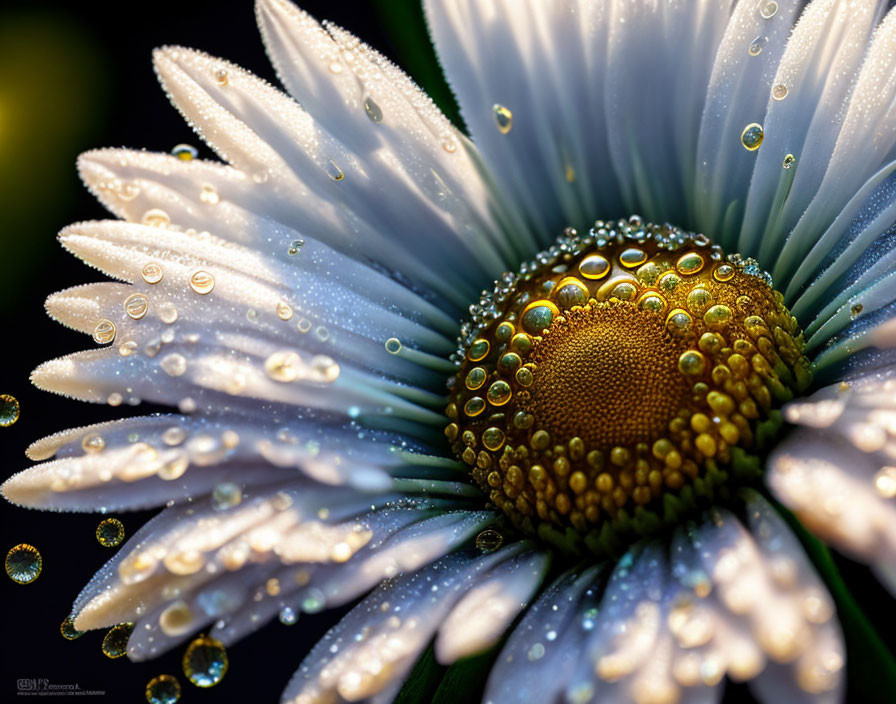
503, 118
334, 171
756, 46
68, 630
23, 563
104, 332
202, 282
152, 273
295, 247
9, 410
393, 345
209, 195
283, 366
136, 305
287, 616
226, 495
489, 540
780, 91
752, 136
156, 218
221, 77
185, 152
174, 364
163, 689
205, 661
176, 619
788, 162
115, 644
374, 112
856, 310
335, 67
167, 313
767, 9
284, 310
110, 533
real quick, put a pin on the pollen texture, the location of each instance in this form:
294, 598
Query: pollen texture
624, 366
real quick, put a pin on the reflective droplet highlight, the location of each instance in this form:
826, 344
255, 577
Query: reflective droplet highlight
768, 9
752, 136
104, 332
115, 644
226, 495
163, 689
202, 282
9, 410
23, 563
287, 616
110, 533
68, 630
393, 345
136, 305
152, 273
756, 46
780, 91
185, 152
295, 247
503, 118
205, 662
788, 162
489, 540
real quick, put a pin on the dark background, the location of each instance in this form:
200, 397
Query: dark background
75, 76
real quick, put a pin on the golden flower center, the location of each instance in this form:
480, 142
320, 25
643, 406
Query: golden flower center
623, 366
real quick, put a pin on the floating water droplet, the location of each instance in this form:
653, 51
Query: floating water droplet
209, 195
202, 282
780, 91
156, 218
205, 661
284, 311
23, 563
489, 540
374, 112
756, 46
174, 364
221, 76
295, 247
136, 305
110, 533
163, 689
152, 273
68, 630
789, 161
752, 136
503, 118
185, 152
104, 332
115, 644
287, 616
226, 495
393, 345
9, 410
334, 171
767, 9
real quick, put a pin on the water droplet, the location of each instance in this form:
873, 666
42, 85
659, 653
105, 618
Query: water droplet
536, 652
115, 399
789, 161
23, 563
449, 145
115, 644
335, 67
856, 310
324, 369
163, 689
221, 76
68, 630
393, 345
303, 325
202, 282
104, 332
156, 218
503, 118
295, 247
287, 616
9, 410
261, 176
152, 273
174, 364
209, 195
185, 152
136, 305
780, 91
205, 661
767, 9
752, 136
314, 601
334, 171
489, 540
756, 46
284, 311
374, 112
110, 533
226, 495
176, 619
283, 366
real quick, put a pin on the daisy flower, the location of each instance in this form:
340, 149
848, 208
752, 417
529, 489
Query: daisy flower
453, 379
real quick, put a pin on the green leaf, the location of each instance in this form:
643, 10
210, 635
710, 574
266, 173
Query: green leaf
406, 27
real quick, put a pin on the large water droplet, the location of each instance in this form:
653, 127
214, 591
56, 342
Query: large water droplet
68, 630
185, 152
503, 118
756, 46
752, 136
110, 533
489, 540
176, 619
136, 305
780, 91
115, 644
374, 112
767, 9
295, 247
163, 689
104, 332
202, 282
334, 171
9, 410
152, 273
156, 218
205, 661
23, 563
174, 364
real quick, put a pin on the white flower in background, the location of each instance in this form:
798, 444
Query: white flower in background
301, 306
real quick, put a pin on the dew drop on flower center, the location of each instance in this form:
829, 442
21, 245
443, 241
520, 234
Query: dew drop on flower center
620, 377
